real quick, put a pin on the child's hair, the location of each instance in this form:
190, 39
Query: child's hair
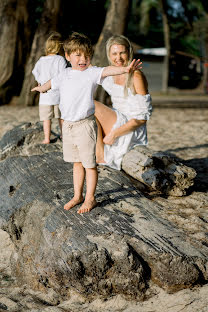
122, 40
53, 44
78, 42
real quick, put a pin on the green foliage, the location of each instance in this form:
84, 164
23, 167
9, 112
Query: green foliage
144, 26
86, 16
35, 8
190, 44
185, 18
107, 3
146, 8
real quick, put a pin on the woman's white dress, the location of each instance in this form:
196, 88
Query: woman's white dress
131, 107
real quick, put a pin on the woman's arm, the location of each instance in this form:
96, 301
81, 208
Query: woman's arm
141, 87
140, 83
45, 87
131, 125
114, 70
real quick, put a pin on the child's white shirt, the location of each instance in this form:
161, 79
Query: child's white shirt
45, 69
76, 92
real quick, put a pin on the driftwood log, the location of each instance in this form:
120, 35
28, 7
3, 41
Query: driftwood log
159, 171
117, 248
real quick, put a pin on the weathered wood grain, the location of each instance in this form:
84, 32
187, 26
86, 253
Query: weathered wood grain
116, 248
159, 171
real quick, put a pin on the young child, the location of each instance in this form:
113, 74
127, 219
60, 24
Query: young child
46, 68
77, 85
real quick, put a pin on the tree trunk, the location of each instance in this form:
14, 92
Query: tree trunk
115, 23
166, 31
205, 81
13, 13
48, 23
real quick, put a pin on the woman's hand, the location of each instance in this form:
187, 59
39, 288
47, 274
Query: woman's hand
109, 139
134, 66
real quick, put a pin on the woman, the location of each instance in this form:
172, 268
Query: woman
124, 126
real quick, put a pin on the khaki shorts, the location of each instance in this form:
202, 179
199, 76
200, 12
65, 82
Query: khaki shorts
79, 141
48, 112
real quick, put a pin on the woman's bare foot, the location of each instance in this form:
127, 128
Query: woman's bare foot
100, 160
73, 202
45, 141
87, 206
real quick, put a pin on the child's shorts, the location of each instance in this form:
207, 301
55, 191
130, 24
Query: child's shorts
79, 141
48, 112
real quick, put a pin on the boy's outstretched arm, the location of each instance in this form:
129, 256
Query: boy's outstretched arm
114, 70
45, 87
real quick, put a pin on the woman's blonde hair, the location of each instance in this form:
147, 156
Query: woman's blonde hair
122, 40
53, 44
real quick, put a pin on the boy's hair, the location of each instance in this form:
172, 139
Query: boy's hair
78, 42
53, 44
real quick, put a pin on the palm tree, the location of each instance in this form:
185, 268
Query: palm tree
115, 23
161, 6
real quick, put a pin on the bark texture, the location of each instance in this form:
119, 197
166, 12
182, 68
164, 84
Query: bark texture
115, 23
13, 32
48, 23
159, 171
166, 35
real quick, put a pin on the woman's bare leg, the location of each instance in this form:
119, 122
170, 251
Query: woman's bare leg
105, 118
99, 144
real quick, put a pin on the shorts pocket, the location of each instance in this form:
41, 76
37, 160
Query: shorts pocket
91, 129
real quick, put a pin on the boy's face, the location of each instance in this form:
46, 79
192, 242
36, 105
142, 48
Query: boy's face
78, 60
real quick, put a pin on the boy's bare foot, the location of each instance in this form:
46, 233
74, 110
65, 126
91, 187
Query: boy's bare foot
45, 141
87, 206
73, 202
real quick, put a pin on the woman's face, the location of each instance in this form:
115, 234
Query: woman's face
118, 55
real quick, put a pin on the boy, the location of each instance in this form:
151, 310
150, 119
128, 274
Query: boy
46, 68
77, 85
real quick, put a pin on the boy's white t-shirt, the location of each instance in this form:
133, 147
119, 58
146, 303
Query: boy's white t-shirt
45, 69
76, 91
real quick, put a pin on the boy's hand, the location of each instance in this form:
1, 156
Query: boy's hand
44, 88
134, 66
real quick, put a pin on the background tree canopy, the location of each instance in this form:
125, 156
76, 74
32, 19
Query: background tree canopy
179, 25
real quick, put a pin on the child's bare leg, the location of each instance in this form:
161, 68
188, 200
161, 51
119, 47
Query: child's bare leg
60, 126
78, 180
47, 131
91, 183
